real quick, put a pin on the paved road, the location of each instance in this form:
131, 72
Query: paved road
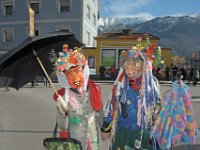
28, 116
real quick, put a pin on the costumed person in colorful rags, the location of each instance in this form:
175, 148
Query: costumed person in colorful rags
79, 99
175, 123
128, 113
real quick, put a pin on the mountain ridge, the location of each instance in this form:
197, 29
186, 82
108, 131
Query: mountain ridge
181, 33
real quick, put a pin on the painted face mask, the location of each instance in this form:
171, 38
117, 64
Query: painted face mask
75, 77
133, 68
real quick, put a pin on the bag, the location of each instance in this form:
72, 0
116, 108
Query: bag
55, 143
62, 144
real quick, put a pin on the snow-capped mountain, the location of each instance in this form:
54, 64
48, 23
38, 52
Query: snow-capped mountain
181, 33
114, 24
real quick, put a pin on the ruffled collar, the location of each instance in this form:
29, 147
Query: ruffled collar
136, 83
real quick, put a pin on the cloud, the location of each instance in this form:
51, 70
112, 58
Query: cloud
123, 7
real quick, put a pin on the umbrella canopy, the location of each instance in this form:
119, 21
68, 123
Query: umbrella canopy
19, 66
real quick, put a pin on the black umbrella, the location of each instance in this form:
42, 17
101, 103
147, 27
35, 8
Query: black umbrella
20, 65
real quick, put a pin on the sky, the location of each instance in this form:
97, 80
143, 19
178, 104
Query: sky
149, 8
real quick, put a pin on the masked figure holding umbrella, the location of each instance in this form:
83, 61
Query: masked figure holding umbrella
78, 101
128, 113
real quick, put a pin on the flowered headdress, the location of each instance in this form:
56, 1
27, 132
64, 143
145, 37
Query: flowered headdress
145, 50
67, 59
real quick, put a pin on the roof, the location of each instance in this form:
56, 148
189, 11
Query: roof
166, 48
89, 48
120, 35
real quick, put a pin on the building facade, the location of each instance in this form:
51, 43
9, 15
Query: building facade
76, 16
166, 57
109, 46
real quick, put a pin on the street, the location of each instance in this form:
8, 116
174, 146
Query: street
28, 116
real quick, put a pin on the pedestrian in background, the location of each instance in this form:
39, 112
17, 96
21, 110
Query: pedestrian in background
158, 74
196, 77
46, 82
184, 73
7, 88
33, 83
191, 75
102, 72
7, 85
175, 71
167, 71
112, 72
107, 74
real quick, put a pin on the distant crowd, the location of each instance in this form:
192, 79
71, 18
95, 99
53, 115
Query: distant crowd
191, 75
170, 73
108, 73
34, 83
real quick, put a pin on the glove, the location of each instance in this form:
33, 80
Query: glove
62, 106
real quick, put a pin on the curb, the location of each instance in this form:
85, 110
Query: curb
196, 100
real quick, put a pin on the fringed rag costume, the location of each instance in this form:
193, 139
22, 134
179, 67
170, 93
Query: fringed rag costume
175, 123
79, 99
129, 111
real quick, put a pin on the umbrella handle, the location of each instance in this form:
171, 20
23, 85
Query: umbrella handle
43, 69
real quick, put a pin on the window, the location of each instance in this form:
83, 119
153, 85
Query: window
108, 57
8, 35
64, 5
63, 28
36, 31
88, 11
94, 42
88, 38
8, 8
94, 19
35, 6
91, 61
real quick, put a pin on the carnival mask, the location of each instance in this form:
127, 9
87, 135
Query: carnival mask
75, 77
133, 68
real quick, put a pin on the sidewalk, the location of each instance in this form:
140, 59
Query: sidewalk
195, 98
160, 82
187, 147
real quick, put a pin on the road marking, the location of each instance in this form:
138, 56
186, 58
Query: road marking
24, 131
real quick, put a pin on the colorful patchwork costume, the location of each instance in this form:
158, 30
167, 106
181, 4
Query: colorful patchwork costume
175, 122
